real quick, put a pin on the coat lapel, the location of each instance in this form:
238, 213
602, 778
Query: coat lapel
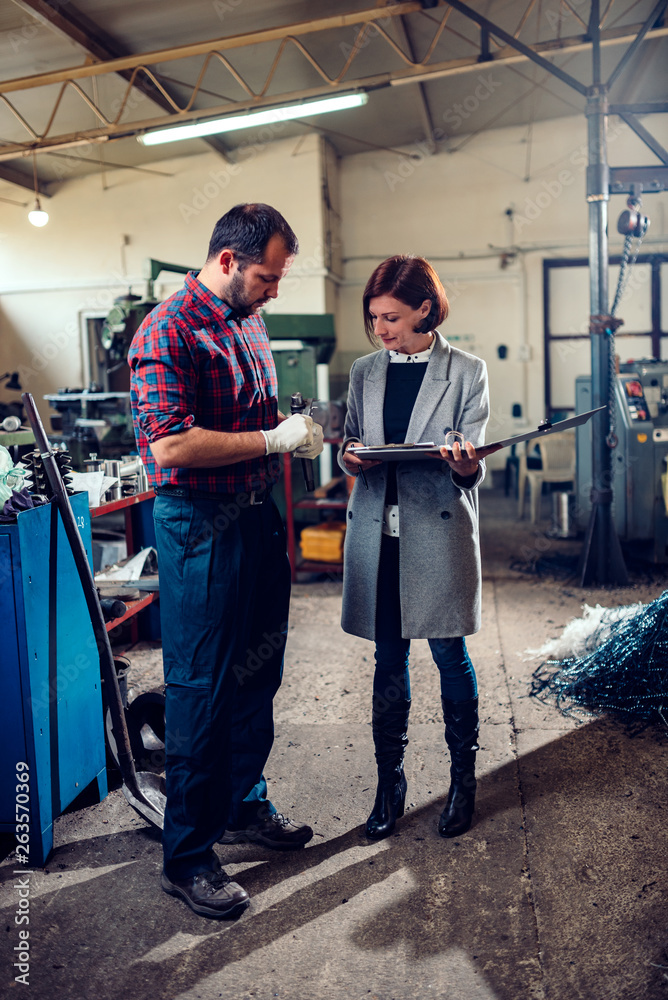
432, 390
374, 398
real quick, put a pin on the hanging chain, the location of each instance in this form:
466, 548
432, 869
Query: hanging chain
627, 262
624, 271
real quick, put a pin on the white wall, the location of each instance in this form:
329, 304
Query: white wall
451, 208
77, 262
349, 215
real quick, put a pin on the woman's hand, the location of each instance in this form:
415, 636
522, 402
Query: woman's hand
353, 463
463, 463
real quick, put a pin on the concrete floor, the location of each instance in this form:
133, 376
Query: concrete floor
557, 892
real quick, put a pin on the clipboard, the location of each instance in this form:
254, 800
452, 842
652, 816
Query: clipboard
427, 449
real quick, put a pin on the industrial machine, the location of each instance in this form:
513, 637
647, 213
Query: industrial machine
89, 421
126, 316
97, 419
639, 458
302, 345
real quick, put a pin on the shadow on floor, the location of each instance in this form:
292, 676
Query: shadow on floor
578, 860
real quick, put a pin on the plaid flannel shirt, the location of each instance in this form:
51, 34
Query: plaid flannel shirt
194, 366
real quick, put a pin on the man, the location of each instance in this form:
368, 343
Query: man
204, 399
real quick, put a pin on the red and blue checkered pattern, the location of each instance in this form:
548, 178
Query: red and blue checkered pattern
193, 365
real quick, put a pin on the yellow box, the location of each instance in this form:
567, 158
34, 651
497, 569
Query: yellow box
323, 542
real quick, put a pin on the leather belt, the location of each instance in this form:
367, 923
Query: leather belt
255, 497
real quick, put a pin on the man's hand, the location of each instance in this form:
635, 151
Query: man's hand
314, 449
290, 434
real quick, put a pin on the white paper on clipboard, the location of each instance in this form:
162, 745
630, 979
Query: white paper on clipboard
426, 449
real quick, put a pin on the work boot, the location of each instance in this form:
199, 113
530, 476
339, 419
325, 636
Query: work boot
275, 831
390, 741
461, 736
209, 894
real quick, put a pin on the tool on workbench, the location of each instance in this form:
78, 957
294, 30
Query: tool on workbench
144, 790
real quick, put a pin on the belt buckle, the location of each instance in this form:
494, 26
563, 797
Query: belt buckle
257, 497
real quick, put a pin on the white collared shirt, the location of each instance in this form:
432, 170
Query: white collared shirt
391, 512
421, 357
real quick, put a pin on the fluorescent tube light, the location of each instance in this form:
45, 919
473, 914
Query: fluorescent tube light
271, 116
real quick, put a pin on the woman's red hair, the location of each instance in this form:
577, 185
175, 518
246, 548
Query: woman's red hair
411, 280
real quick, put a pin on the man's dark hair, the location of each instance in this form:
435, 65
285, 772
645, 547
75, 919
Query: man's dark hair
246, 229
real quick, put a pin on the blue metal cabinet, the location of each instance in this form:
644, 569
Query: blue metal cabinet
51, 704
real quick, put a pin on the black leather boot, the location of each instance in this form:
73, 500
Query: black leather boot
390, 741
461, 736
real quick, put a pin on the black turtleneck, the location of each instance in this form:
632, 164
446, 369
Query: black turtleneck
401, 391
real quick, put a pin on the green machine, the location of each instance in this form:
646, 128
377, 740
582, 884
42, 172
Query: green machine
129, 311
302, 346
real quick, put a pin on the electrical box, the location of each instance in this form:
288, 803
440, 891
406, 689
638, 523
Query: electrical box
639, 459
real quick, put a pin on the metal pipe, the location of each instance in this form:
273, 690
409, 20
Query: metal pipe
602, 560
598, 297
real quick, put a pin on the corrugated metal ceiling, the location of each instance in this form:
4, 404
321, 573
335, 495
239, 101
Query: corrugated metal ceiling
443, 108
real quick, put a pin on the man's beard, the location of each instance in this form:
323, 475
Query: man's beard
237, 298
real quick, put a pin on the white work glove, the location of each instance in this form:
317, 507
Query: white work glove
289, 435
314, 449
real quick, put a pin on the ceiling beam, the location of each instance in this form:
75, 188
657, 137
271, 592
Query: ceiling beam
423, 105
526, 50
575, 43
508, 56
647, 137
117, 64
657, 12
76, 27
13, 176
409, 75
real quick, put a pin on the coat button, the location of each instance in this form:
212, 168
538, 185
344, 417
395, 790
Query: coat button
445, 514
350, 514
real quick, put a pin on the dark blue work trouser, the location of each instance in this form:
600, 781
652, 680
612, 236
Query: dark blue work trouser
224, 601
391, 679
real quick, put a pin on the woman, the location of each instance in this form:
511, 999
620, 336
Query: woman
412, 558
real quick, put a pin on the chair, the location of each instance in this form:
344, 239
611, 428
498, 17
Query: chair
511, 474
557, 453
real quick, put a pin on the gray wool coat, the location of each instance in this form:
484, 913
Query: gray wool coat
438, 520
